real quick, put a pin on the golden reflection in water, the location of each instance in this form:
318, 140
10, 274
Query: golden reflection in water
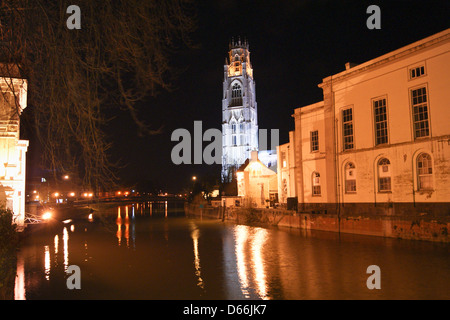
56, 240
165, 209
255, 239
47, 262
195, 235
66, 248
127, 227
19, 286
125, 222
241, 233
119, 226
258, 262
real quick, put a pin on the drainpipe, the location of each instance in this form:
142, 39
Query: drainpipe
335, 142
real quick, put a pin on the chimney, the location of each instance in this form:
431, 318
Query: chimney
254, 156
349, 65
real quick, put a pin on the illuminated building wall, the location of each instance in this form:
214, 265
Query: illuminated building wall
286, 170
12, 150
381, 136
257, 184
239, 110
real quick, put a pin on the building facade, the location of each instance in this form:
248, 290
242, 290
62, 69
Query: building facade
287, 188
257, 184
380, 140
239, 110
13, 101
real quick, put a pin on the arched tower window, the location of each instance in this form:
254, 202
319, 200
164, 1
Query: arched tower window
236, 95
350, 178
384, 175
424, 172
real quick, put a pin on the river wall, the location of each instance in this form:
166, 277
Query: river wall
414, 226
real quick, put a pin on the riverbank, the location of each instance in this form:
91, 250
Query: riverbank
405, 226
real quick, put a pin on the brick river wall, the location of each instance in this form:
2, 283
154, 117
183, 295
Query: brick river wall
414, 225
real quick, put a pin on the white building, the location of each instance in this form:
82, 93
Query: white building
257, 184
13, 101
380, 140
239, 110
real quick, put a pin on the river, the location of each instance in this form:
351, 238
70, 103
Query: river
151, 251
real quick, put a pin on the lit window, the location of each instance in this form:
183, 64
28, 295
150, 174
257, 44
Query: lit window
420, 112
384, 175
350, 178
283, 159
316, 184
347, 128
380, 115
424, 172
314, 141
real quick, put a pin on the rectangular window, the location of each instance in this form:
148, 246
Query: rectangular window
347, 128
419, 103
416, 72
384, 184
380, 117
314, 141
316, 184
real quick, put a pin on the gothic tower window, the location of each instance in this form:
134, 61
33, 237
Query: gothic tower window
236, 95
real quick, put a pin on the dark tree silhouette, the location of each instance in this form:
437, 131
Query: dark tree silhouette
120, 55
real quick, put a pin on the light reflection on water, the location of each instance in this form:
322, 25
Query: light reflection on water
140, 251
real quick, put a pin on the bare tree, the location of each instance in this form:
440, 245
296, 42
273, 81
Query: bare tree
120, 55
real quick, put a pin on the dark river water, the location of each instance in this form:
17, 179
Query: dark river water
148, 251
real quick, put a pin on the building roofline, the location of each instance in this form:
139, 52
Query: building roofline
388, 57
308, 108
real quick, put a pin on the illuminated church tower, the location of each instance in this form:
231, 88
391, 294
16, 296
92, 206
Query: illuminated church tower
239, 110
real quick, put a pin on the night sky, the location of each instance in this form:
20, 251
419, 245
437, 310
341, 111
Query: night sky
293, 45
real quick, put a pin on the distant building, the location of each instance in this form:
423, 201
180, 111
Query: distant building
239, 110
380, 139
13, 101
257, 185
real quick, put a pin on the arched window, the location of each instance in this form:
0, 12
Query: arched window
424, 172
384, 175
316, 184
236, 95
350, 178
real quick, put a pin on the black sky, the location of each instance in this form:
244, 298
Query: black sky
293, 45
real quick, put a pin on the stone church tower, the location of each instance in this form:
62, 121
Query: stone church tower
239, 110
